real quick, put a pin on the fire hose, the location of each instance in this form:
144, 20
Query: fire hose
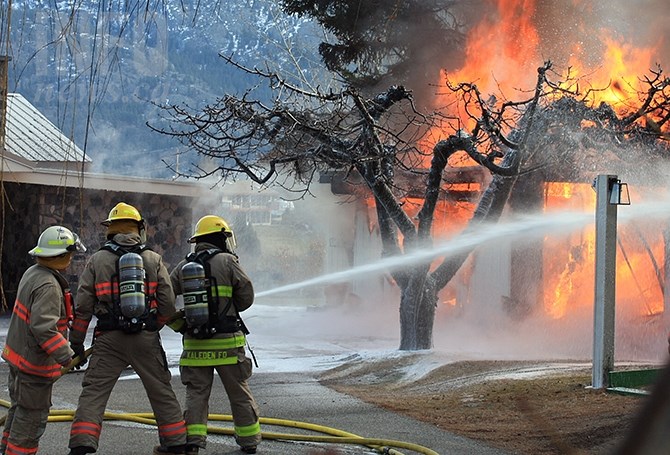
334, 436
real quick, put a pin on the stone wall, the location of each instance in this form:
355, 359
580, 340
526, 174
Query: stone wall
19, 234
29, 209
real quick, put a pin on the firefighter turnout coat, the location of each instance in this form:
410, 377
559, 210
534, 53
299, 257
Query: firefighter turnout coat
114, 349
37, 335
36, 348
224, 353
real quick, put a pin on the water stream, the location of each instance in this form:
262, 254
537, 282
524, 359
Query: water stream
525, 227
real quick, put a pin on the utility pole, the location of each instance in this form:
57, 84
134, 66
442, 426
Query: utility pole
605, 278
4, 69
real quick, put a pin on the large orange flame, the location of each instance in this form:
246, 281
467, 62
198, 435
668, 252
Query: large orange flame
502, 54
616, 82
569, 260
501, 49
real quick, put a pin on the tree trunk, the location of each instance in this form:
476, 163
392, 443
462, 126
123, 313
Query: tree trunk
417, 311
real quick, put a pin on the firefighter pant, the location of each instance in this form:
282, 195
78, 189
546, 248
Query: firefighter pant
198, 382
112, 352
30, 400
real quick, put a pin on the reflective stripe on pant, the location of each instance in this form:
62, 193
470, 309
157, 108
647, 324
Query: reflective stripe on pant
113, 351
211, 352
30, 398
198, 382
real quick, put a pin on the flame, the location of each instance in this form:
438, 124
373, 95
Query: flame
616, 82
569, 261
449, 217
501, 48
502, 53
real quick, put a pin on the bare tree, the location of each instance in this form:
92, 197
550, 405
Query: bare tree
292, 138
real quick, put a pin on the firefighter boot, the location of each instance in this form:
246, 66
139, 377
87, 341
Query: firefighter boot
81, 450
161, 450
245, 448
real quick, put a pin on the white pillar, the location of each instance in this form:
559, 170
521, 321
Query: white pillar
605, 282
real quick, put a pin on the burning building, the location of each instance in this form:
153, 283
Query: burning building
605, 112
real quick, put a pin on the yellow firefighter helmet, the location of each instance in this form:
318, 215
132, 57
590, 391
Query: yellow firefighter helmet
211, 224
123, 211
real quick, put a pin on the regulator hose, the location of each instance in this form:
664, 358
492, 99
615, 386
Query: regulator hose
335, 436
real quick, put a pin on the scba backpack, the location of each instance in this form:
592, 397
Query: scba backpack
133, 307
202, 295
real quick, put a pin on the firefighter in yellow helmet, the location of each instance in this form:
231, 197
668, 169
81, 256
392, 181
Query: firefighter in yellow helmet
36, 346
215, 290
127, 287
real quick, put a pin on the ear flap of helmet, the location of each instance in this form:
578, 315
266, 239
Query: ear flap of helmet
230, 241
143, 231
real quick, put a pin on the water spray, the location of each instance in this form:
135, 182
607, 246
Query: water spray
529, 226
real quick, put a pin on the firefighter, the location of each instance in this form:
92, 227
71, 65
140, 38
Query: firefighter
127, 287
36, 346
215, 290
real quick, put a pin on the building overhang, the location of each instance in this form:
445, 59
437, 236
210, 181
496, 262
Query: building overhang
14, 169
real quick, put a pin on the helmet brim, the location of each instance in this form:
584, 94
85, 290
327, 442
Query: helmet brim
227, 234
40, 253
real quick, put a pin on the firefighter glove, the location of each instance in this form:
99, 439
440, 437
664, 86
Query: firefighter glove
79, 352
151, 323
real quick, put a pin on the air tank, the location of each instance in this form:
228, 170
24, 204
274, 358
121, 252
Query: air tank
194, 291
131, 285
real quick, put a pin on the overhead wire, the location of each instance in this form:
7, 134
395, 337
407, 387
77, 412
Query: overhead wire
4, 40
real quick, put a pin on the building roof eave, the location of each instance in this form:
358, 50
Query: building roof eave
13, 163
18, 172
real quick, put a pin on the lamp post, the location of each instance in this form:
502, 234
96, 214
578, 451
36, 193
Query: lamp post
610, 192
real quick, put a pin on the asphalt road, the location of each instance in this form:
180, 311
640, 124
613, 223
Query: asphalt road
286, 396
293, 345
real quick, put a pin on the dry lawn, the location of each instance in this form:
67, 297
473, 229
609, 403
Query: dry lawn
553, 413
